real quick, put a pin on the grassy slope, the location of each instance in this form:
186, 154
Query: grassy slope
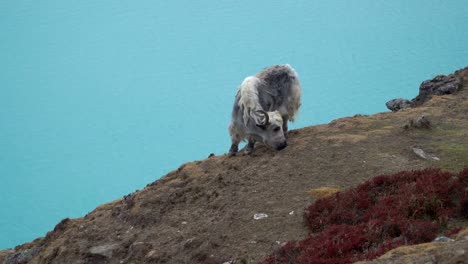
203, 211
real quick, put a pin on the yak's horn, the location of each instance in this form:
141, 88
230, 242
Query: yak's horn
267, 119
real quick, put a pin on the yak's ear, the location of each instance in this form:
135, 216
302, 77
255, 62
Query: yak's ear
261, 119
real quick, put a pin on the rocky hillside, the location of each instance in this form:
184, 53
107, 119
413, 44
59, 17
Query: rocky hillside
203, 212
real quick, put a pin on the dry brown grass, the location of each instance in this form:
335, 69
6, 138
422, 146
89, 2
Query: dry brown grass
323, 192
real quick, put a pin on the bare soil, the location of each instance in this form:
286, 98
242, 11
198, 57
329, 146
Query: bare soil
203, 212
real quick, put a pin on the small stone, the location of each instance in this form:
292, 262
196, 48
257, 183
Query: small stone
104, 250
139, 249
260, 216
184, 222
153, 253
443, 239
424, 155
291, 213
421, 122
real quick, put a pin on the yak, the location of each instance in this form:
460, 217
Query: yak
263, 105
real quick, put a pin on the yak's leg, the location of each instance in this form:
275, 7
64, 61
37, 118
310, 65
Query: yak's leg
235, 140
250, 146
285, 126
233, 150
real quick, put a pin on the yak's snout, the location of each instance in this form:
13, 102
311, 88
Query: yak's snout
282, 145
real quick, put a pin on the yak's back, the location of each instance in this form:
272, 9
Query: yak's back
278, 76
280, 90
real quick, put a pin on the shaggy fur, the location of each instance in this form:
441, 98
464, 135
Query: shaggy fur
275, 90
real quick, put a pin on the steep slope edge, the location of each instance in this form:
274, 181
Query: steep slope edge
203, 211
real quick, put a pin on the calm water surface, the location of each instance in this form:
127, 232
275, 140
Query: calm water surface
99, 98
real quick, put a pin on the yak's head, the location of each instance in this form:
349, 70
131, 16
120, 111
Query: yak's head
270, 129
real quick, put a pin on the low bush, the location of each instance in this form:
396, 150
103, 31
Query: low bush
385, 212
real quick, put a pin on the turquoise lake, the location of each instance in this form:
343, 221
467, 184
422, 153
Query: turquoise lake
100, 98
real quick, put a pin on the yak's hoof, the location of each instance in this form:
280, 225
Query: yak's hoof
233, 150
248, 151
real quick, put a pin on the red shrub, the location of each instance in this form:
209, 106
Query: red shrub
286, 254
464, 176
463, 207
385, 212
453, 232
336, 244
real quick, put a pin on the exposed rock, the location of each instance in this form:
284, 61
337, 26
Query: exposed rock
398, 104
104, 250
422, 121
443, 239
153, 254
440, 85
141, 249
5, 253
258, 216
424, 155
22, 257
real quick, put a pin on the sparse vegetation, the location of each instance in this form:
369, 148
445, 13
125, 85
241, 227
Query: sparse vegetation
455, 156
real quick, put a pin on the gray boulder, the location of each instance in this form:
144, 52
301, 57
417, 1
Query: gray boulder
22, 257
421, 122
398, 104
440, 85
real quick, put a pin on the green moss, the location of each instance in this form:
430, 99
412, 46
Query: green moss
454, 156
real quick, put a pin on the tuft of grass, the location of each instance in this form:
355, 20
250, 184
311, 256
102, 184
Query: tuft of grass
362, 223
453, 156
